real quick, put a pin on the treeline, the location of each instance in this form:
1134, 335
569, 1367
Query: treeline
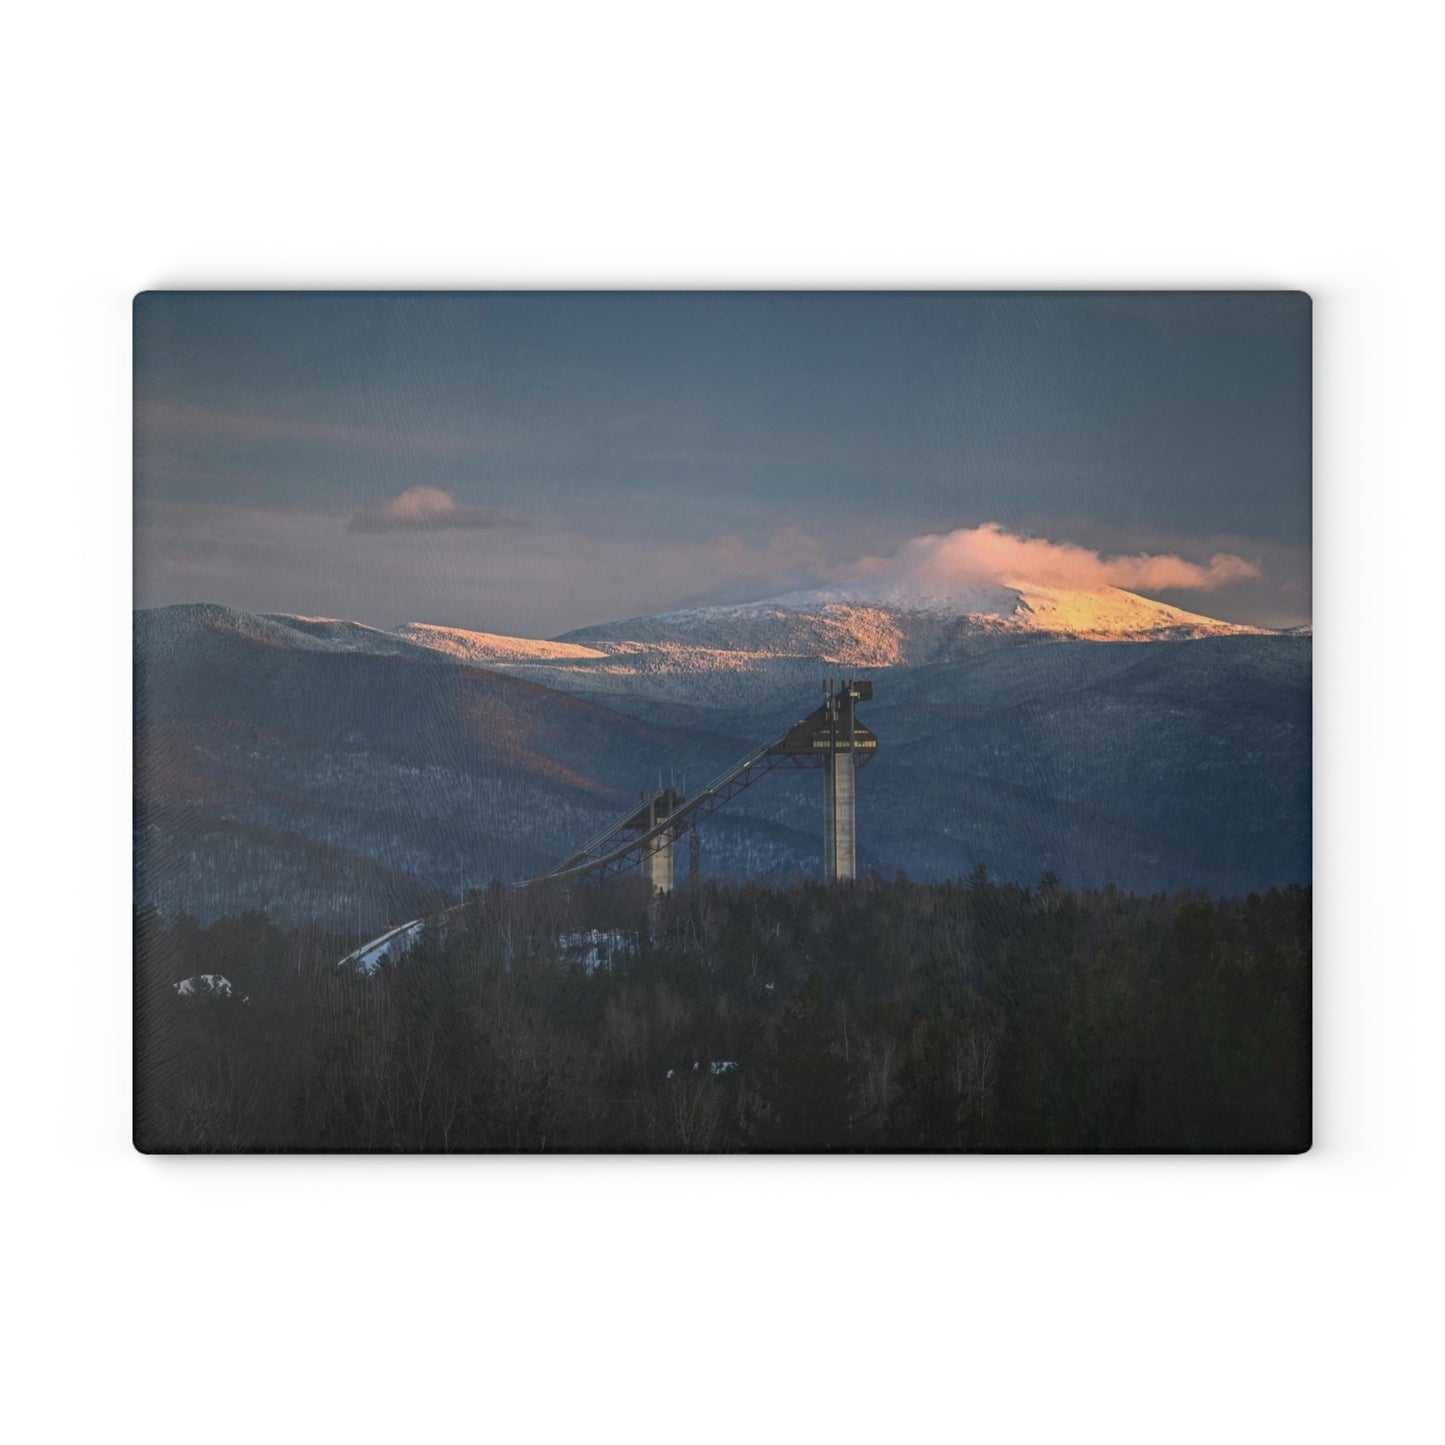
871, 1016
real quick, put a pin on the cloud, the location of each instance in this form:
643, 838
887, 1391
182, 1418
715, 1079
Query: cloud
973, 555
427, 509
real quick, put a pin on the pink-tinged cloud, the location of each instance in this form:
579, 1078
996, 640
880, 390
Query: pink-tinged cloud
427, 509
989, 554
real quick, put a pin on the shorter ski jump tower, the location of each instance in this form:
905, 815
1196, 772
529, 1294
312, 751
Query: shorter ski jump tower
657, 853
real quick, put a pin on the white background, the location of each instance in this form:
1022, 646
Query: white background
1279, 145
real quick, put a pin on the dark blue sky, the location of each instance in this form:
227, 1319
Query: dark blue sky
572, 457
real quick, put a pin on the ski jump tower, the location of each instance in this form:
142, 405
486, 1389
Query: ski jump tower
833, 736
656, 846
830, 738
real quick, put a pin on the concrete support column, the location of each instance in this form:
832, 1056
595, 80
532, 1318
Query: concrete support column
840, 818
657, 863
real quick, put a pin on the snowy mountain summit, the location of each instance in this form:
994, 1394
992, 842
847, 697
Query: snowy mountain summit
882, 623
762, 650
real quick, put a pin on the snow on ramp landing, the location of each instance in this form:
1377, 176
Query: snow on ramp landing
395, 941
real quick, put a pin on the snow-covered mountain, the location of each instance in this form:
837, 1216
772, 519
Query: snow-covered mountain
742, 655
763, 648
164, 631
882, 624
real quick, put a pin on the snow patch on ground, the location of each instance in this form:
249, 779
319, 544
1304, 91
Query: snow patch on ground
716, 1068
206, 985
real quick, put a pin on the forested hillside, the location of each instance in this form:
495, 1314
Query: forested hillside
873, 1016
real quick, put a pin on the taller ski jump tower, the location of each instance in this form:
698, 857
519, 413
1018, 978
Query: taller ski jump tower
833, 735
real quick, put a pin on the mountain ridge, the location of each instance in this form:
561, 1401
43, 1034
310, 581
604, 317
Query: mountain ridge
320, 768
1094, 614
764, 649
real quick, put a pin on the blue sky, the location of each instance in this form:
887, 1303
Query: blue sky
530, 462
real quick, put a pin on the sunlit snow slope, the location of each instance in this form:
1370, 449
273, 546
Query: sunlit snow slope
762, 649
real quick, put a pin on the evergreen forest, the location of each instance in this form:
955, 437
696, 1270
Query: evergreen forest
878, 1015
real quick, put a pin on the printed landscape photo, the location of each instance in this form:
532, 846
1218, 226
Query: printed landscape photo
722, 722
